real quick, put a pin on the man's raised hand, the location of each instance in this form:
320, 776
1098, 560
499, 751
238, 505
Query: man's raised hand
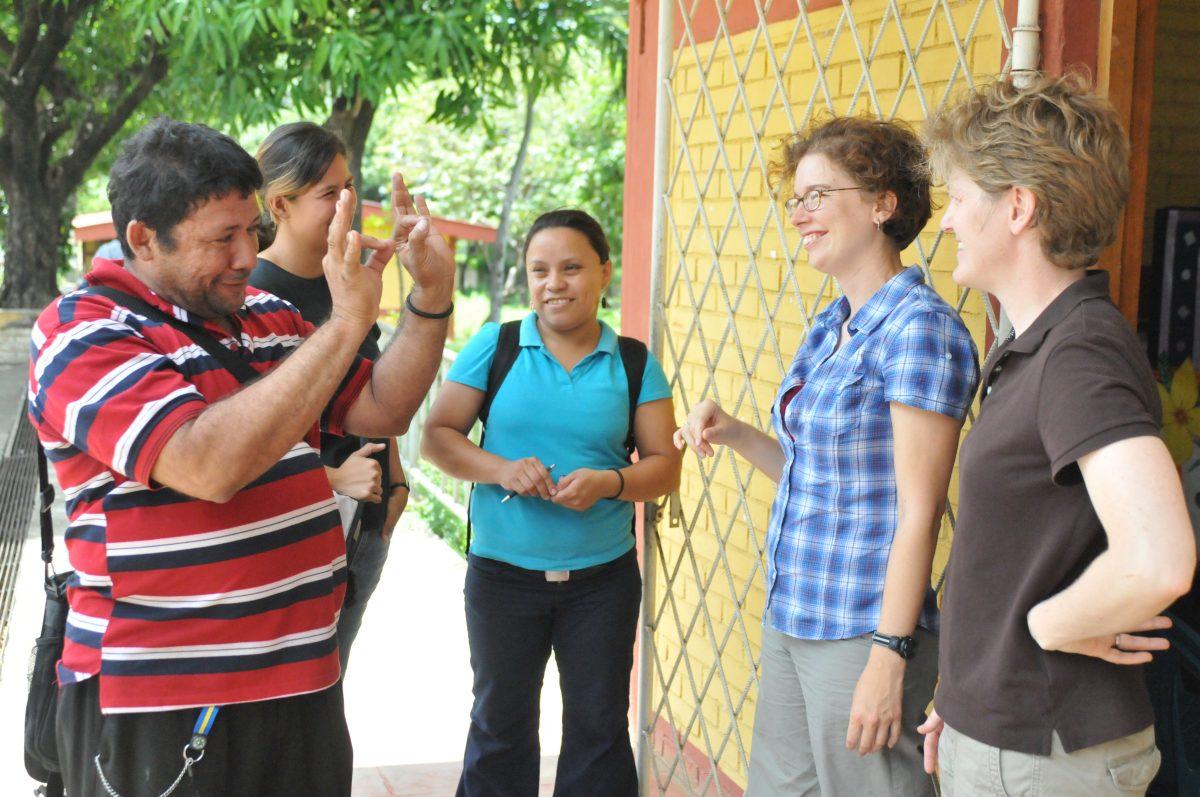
423, 251
355, 288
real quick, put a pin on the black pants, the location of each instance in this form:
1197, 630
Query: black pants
275, 748
514, 618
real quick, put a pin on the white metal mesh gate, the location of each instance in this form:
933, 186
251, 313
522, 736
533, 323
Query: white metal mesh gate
731, 303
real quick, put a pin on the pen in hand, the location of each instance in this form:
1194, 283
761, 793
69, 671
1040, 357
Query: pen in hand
511, 493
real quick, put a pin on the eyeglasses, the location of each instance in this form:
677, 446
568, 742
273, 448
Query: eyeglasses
812, 199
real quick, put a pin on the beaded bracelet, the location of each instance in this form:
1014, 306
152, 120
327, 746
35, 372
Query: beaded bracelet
412, 308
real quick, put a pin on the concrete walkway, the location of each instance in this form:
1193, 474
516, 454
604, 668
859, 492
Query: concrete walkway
408, 685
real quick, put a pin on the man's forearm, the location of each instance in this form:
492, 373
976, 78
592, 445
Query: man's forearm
402, 375
237, 439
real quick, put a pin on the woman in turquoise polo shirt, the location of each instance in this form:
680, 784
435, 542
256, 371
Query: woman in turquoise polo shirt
552, 563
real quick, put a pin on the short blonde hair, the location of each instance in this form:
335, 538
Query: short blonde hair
1054, 137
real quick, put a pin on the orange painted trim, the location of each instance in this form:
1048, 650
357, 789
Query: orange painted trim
98, 226
1070, 35
637, 220
87, 233
464, 230
739, 18
641, 93
1138, 126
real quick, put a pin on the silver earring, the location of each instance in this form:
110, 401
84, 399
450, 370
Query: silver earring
879, 226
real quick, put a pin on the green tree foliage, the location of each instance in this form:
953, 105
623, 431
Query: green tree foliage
576, 155
74, 72
529, 47
77, 71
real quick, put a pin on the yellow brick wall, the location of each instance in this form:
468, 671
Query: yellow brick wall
1174, 167
703, 284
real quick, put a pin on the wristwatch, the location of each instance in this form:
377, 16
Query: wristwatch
904, 646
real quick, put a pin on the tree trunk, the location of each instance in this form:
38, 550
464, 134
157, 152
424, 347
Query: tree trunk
351, 119
33, 245
40, 188
496, 271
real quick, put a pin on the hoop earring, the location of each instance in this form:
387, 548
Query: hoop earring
604, 302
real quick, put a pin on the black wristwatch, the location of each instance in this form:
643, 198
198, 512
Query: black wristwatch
904, 646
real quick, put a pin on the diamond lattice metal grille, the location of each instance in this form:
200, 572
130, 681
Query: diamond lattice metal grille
736, 301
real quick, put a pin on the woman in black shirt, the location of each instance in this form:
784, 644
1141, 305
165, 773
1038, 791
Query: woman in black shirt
304, 171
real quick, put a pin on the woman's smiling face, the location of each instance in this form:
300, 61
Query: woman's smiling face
311, 210
837, 233
566, 278
977, 223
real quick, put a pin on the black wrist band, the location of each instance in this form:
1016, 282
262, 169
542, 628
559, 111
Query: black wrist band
392, 487
620, 489
412, 308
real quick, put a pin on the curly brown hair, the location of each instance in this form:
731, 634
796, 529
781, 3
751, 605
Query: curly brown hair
1055, 137
879, 156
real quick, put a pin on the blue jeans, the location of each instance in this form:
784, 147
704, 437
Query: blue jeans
366, 566
514, 619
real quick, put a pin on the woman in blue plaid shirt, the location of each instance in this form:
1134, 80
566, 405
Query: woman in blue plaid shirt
866, 426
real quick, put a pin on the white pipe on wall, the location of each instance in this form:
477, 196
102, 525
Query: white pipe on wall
1026, 58
1027, 43
658, 256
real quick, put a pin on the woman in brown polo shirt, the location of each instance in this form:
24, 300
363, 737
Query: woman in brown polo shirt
1072, 530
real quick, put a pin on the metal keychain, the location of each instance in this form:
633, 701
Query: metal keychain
197, 743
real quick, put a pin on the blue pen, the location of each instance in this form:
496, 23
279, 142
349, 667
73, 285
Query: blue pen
504, 500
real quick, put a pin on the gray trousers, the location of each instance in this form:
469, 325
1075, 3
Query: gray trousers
1123, 767
803, 712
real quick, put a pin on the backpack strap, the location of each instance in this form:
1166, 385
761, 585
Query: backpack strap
507, 349
633, 357
45, 505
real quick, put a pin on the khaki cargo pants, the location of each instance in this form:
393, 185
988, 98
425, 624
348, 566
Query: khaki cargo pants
1119, 768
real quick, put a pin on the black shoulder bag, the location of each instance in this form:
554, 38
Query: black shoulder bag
41, 706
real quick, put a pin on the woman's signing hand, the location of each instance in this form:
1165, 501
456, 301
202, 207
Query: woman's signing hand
527, 477
580, 489
360, 476
706, 425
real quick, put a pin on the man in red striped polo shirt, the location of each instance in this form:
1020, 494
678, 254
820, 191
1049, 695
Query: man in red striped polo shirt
209, 560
